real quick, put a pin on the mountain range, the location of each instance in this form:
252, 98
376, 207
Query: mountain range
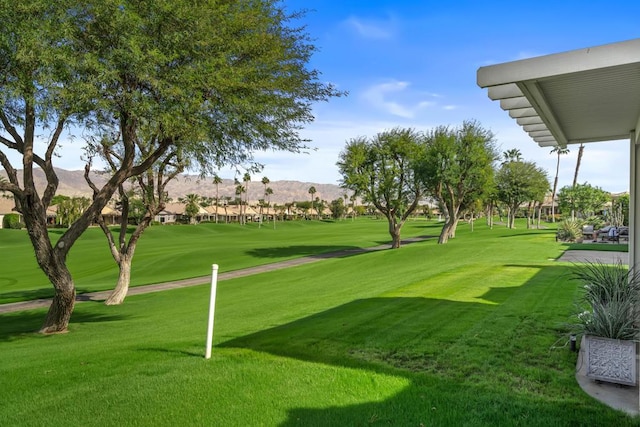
72, 184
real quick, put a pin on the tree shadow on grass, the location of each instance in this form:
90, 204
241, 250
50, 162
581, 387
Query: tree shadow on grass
551, 233
22, 323
26, 295
382, 334
37, 294
408, 337
299, 250
325, 251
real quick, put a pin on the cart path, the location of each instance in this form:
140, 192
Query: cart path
157, 287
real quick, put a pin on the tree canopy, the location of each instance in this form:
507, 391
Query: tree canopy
583, 199
382, 170
457, 169
518, 182
142, 80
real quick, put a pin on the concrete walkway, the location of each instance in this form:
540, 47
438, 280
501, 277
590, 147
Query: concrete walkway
157, 287
605, 257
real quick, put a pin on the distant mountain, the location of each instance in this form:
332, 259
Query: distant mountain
72, 183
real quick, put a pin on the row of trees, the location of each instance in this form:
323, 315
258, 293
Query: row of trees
457, 166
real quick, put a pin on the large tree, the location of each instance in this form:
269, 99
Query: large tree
584, 200
518, 182
382, 171
457, 169
219, 81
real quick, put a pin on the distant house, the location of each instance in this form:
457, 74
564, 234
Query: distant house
171, 213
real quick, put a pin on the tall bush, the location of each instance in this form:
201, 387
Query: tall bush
12, 221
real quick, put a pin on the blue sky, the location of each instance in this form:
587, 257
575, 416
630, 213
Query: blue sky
414, 63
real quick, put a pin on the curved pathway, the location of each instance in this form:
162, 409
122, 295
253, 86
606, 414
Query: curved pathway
157, 287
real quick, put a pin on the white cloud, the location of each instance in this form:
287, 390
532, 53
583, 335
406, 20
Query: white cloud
384, 96
371, 29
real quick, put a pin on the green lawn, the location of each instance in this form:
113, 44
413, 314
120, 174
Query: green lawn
179, 252
469, 333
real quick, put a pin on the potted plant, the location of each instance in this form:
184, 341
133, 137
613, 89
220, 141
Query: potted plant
605, 318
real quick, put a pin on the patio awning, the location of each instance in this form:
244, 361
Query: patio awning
585, 95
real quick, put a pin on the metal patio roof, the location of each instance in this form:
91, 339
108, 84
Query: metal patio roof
580, 96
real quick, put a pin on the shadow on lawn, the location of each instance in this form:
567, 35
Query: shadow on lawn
433, 344
26, 295
16, 324
326, 251
304, 250
383, 334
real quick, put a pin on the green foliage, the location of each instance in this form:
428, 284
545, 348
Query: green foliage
596, 221
518, 182
570, 231
609, 297
338, 209
383, 171
584, 199
12, 221
620, 211
457, 169
71, 209
192, 208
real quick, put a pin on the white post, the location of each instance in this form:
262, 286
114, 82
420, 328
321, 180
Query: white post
212, 309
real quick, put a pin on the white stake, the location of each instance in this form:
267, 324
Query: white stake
212, 309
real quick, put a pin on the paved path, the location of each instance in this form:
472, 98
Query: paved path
606, 257
157, 287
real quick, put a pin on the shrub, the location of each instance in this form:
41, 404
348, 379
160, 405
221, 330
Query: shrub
608, 297
597, 222
570, 231
12, 221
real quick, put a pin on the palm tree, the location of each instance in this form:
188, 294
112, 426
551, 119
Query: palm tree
246, 179
216, 181
268, 192
559, 151
312, 191
239, 190
346, 205
191, 209
353, 206
575, 175
513, 155
264, 181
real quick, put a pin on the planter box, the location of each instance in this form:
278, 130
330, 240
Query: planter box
611, 360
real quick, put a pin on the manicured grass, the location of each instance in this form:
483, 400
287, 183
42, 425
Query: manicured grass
469, 333
178, 252
618, 247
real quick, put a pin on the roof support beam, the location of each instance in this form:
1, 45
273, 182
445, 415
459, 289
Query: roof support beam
504, 91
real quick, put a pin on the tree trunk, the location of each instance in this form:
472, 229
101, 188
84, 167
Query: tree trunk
553, 199
575, 175
445, 233
124, 279
52, 262
64, 300
394, 231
